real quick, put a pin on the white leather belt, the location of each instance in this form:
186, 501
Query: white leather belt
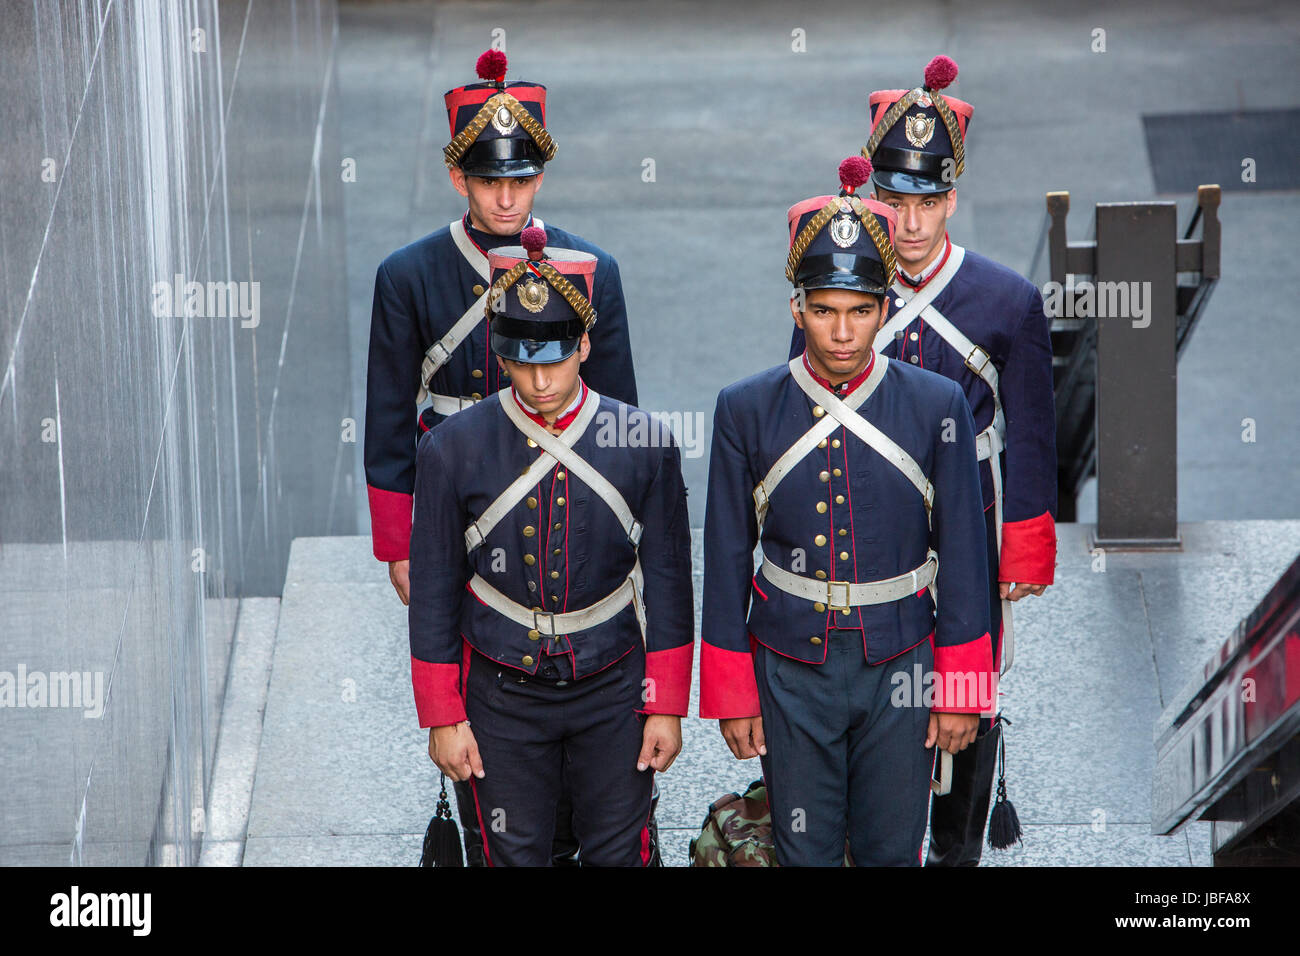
451, 404
551, 624
842, 594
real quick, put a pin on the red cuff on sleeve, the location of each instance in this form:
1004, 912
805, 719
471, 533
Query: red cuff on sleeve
668, 680
727, 685
1029, 551
390, 524
437, 693
966, 682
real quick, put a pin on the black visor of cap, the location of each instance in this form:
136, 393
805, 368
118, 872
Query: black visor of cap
503, 156
538, 343
842, 270
910, 170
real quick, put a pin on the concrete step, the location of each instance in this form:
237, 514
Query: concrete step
343, 775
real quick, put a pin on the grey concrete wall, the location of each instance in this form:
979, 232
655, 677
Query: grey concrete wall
154, 467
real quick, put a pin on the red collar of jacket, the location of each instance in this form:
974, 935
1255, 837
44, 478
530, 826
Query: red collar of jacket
930, 273
844, 388
563, 420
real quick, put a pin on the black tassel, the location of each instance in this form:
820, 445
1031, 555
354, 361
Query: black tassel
442, 839
1004, 824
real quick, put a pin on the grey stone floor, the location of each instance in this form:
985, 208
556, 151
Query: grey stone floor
342, 775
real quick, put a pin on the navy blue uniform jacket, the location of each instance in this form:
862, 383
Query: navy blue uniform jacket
420, 292
1001, 312
874, 527
463, 465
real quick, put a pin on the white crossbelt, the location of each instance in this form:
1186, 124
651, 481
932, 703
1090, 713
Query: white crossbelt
439, 353
559, 449
799, 450
988, 443
843, 594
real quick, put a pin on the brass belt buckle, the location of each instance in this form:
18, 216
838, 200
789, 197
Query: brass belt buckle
830, 595
973, 352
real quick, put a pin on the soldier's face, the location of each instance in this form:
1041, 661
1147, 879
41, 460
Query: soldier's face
548, 388
499, 205
839, 327
922, 225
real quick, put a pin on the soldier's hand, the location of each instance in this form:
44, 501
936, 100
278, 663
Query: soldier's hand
399, 572
1014, 592
455, 751
744, 735
661, 742
952, 732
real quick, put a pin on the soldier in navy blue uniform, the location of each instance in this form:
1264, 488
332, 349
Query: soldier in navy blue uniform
428, 332
857, 476
551, 613
982, 325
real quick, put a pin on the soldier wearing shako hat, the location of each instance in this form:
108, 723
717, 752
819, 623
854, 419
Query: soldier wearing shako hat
551, 615
856, 475
982, 325
428, 332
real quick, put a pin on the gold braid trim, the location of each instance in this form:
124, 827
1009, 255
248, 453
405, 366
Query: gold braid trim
454, 151
577, 301
892, 116
895, 112
954, 131
807, 234
824, 215
878, 236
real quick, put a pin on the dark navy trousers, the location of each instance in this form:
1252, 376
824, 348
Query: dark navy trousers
539, 737
842, 760
958, 818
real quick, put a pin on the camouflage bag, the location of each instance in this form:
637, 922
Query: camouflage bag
737, 831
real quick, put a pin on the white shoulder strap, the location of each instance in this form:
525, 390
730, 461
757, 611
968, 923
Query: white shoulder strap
479, 528
810, 439
469, 250
566, 456
440, 351
976, 359
917, 301
881, 443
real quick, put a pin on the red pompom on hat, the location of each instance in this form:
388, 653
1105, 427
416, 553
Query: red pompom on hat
854, 171
491, 65
940, 72
533, 239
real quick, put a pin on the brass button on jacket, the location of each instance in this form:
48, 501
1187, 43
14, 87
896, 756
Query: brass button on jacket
528, 660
